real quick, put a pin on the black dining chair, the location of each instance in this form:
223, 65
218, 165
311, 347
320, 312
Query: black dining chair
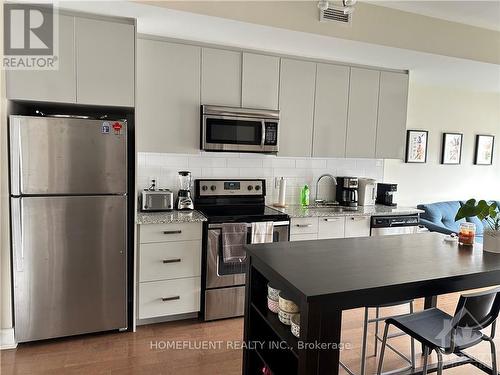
446, 334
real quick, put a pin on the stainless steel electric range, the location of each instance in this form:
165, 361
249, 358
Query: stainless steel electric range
230, 201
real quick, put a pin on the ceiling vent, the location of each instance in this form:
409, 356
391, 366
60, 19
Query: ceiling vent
335, 14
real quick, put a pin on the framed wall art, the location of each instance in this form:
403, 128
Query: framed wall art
484, 149
451, 152
416, 146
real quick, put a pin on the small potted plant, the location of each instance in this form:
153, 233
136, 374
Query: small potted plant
487, 213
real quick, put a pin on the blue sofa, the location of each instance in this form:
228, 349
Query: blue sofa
440, 217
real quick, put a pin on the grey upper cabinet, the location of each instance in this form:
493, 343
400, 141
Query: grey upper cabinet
105, 62
49, 85
168, 97
221, 77
260, 81
330, 110
391, 128
362, 113
297, 85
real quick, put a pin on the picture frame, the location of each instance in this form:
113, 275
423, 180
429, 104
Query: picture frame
416, 146
451, 150
484, 150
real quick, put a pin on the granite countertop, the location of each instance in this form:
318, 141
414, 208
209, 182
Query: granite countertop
170, 217
377, 210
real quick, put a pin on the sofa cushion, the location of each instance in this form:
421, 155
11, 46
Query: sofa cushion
442, 213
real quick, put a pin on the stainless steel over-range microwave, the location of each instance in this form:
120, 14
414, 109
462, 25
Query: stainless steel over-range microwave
239, 129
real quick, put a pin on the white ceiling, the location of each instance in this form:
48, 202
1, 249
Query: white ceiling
485, 14
425, 68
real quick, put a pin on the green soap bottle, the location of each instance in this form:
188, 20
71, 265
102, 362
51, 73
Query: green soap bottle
304, 196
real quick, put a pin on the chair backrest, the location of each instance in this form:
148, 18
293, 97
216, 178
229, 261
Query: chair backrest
477, 310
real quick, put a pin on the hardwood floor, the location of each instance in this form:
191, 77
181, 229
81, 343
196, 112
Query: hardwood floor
136, 353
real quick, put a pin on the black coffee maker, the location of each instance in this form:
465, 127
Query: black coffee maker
386, 194
347, 191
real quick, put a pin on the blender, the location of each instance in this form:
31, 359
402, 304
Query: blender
184, 201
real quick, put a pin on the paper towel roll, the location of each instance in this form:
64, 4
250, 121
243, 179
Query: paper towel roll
282, 192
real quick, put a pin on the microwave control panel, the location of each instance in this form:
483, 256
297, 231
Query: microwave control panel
271, 137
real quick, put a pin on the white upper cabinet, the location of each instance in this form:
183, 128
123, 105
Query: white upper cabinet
221, 77
391, 128
362, 114
105, 62
260, 81
168, 97
330, 110
297, 86
49, 85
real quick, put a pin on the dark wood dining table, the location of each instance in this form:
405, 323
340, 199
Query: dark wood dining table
326, 277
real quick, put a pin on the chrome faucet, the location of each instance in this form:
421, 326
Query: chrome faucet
317, 185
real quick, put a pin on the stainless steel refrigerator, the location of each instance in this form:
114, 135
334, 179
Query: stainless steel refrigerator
69, 225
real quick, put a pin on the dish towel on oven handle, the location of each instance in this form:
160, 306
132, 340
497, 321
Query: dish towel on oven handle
234, 238
262, 232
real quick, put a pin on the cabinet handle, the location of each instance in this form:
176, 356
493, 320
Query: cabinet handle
332, 219
358, 218
166, 299
304, 225
172, 232
176, 260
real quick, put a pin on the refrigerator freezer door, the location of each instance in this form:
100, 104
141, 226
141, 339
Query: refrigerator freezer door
69, 265
67, 156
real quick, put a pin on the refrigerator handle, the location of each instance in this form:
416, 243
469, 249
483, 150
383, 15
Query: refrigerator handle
17, 233
15, 154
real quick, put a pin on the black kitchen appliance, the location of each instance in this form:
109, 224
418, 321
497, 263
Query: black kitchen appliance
347, 191
230, 201
386, 194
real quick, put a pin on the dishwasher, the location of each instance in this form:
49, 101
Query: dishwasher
395, 224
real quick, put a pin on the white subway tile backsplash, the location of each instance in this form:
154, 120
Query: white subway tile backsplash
207, 162
245, 163
311, 163
297, 171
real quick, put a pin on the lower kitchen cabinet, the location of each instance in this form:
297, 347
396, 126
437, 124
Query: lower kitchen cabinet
169, 269
169, 297
331, 227
169, 260
304, 237
357, 226
322, 228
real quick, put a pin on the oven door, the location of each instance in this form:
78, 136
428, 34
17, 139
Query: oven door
221, 274
228, 133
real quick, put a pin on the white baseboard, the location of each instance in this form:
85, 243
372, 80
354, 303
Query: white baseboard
7, 340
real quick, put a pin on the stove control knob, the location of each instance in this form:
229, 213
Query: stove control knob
204, 188
213, 187
257, 187
250, 188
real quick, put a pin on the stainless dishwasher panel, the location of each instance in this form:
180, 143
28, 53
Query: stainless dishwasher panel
394, 230
69, 265
395, 224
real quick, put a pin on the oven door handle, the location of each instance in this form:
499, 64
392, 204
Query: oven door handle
276, 224
263, 138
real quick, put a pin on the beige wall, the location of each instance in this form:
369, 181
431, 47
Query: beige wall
5, 295
442, 109
371, 24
